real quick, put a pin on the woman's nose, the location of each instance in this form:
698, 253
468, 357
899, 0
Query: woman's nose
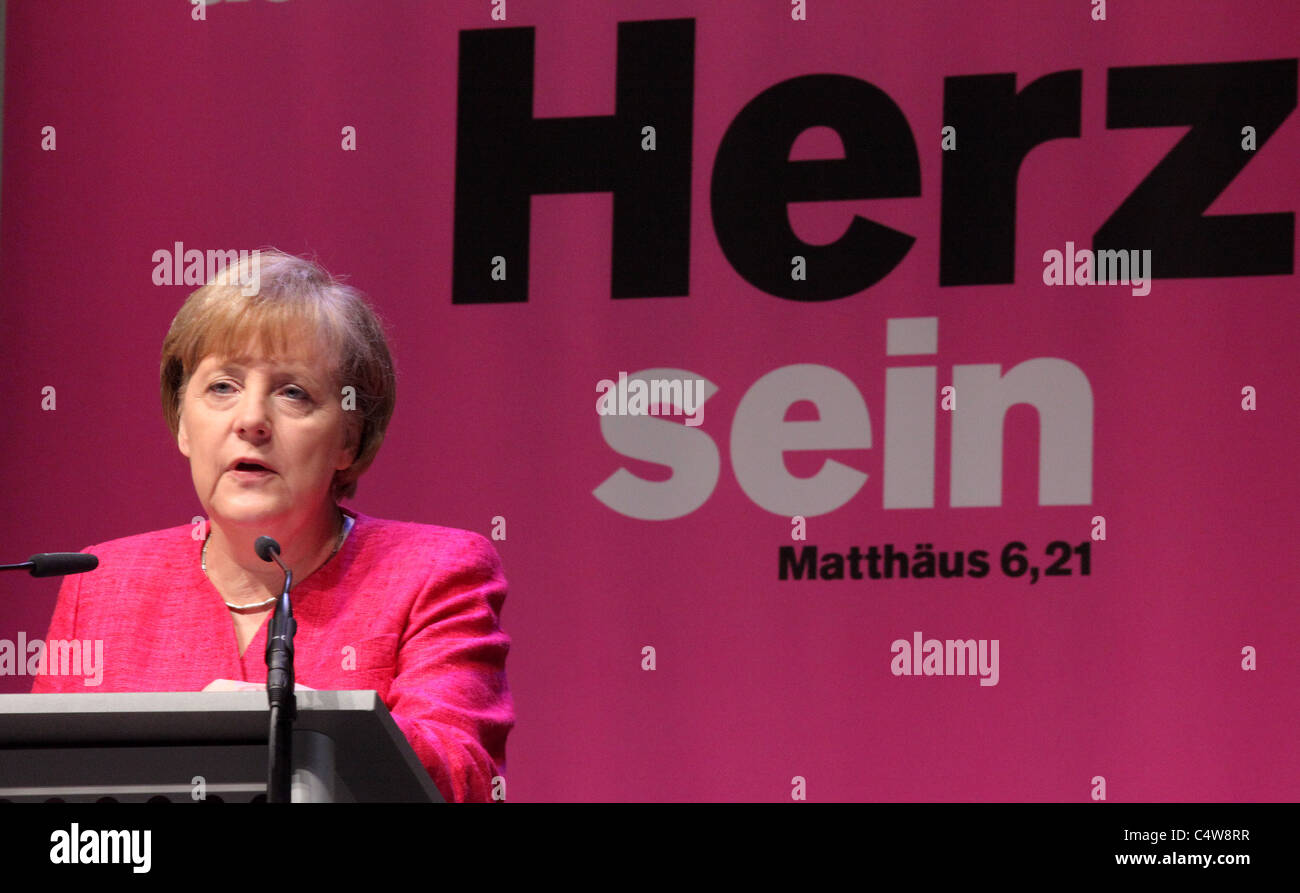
252, 419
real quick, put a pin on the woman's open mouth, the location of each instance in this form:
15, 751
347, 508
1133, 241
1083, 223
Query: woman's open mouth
251, 471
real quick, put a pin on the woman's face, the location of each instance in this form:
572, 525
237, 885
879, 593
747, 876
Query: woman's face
282, 412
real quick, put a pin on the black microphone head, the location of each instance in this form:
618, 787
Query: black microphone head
266, 547
54, 564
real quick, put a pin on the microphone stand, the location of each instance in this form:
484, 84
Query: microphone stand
280, 682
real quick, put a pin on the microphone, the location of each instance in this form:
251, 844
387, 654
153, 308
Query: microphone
279, 681
267, 548
279, 638
55, 564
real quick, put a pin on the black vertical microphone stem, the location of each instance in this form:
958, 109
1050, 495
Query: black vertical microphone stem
280, 683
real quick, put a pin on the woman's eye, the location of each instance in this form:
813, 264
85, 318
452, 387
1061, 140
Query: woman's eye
293, 392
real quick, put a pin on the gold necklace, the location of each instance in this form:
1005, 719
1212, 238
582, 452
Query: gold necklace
345, 527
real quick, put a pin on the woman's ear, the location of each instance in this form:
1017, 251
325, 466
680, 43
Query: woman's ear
351, 443
182, 439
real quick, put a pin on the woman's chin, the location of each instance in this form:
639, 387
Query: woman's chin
248, 511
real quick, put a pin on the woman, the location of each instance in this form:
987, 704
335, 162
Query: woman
280, 401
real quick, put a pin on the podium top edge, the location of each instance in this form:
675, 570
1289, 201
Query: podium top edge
178, 701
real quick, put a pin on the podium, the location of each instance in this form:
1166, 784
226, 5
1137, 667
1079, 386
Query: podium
187, 746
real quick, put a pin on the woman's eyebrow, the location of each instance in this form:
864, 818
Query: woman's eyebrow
281, 371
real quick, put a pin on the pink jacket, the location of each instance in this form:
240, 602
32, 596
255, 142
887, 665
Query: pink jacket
409, 610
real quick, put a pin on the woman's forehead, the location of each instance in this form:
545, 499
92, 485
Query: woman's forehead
254, 335
299, 345
298, 361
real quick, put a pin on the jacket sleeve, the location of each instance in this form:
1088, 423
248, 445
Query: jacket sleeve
449, 694
63, 627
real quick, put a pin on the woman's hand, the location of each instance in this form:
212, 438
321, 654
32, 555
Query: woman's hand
236, 685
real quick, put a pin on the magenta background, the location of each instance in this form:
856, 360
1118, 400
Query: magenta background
225, 134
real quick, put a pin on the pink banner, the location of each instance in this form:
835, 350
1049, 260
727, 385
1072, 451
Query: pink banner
869, 402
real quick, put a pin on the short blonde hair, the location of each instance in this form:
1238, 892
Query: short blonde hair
293, 295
